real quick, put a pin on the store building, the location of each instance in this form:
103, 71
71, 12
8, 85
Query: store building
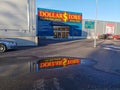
59, 24
55, 24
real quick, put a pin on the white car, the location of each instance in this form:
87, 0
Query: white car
7, 44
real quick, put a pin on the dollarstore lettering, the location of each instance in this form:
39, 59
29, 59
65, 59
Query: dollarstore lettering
63, 16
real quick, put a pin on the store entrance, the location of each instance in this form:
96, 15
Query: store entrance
61, 31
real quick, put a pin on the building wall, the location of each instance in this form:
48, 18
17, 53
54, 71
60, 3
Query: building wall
13, 15
18, 19
100, 29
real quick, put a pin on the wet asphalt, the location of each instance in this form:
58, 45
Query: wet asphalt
99, 68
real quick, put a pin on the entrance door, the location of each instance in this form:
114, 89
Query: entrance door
61, 31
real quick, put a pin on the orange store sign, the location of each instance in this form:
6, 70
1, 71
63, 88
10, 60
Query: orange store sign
57, 62
59, 16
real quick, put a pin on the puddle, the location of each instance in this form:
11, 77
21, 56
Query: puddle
88, 62
17, 60
118, 71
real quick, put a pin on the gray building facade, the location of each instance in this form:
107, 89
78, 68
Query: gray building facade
102, 27
18, 21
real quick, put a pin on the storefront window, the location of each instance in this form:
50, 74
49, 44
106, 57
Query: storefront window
61, 31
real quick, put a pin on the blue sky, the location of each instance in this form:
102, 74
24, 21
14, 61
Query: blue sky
108, 10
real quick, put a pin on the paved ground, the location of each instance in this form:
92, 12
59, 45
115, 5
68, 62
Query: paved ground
17, 71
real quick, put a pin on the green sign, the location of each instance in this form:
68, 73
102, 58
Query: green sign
89, 24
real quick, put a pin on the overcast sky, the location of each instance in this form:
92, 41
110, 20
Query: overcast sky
108, 10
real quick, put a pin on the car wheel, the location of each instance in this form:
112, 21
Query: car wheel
2, 48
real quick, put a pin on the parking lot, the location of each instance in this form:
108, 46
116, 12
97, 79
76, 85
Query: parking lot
18, 73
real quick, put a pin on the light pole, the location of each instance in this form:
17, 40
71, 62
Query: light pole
95, 23
28, 14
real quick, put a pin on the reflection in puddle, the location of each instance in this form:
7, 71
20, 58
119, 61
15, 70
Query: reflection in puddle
58, 62
87, 61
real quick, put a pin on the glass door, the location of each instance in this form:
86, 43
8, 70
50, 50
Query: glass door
61, 31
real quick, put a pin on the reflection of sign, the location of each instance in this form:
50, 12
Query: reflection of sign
89, 24
110, 28
57, 62
59, 16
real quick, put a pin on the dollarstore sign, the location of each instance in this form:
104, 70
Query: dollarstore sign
61, 16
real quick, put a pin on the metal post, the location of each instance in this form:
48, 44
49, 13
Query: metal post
95, 23
103, 28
